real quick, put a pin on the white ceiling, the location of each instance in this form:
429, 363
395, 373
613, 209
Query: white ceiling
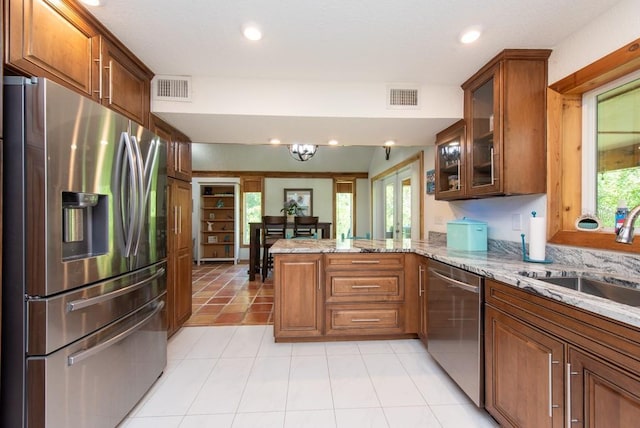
381, 41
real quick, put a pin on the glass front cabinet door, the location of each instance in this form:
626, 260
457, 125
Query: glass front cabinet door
484, 139
505, 113
450, 158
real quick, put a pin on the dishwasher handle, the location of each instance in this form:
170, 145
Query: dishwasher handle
455, 282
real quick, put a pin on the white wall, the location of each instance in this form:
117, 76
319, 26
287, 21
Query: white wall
240, 157
303, 98
610, 31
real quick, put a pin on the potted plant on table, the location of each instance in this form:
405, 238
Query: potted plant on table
291, 209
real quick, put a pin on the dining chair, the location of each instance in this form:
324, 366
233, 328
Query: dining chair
273, 228
305, 226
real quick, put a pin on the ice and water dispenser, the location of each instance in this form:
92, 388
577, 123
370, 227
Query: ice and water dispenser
84, 225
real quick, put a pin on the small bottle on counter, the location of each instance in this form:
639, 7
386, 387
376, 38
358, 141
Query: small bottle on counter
621, 214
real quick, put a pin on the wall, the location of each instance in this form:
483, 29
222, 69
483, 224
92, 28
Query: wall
302, 98
240, 157
612, 30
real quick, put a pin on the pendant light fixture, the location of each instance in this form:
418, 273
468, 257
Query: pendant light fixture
302, 152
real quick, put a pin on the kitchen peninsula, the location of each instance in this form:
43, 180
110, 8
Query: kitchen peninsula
579, 355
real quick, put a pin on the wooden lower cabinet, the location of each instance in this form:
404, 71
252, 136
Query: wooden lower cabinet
343, 296
364, 319
298, 296
602, 395
422, 298
179, 254
548, 364
524, 373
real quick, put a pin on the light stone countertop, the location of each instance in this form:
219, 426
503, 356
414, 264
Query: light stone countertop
503, 266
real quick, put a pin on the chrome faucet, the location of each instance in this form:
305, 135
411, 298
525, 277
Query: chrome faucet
625, 234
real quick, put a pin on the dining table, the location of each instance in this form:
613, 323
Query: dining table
255, 243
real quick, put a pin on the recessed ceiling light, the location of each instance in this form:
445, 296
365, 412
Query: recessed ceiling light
274, 141
470, 35
333, 142
389, 143
251, 31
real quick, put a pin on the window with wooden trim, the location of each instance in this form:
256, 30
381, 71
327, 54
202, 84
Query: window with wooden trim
252, 189
564, 149
345, 207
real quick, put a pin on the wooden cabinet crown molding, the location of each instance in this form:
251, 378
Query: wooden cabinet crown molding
564, 146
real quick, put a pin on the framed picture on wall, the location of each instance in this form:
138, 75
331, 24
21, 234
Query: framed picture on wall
431, 182
302, 198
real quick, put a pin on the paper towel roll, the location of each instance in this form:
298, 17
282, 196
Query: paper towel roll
537, 238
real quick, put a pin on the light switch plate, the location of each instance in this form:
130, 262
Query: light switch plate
516, 221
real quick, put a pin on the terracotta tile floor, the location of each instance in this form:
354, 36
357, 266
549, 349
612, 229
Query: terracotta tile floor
223, 295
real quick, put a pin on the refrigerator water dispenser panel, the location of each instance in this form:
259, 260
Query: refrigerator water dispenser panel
84, 225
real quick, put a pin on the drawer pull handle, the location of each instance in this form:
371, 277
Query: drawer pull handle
365, 319
365, 262
365, 286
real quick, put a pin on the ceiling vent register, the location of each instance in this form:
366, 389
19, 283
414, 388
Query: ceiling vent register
172, 88
403, 98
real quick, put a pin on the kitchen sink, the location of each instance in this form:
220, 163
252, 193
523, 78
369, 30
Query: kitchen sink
625, 293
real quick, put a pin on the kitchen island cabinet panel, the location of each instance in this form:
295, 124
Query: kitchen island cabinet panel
298, 296
370, 262
344, 296
364, 319
359, 287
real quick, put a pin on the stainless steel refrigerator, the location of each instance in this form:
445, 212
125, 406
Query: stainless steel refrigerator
84, 259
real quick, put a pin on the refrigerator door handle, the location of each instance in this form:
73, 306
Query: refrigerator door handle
138, 218
125, 209
83, 303
84, 354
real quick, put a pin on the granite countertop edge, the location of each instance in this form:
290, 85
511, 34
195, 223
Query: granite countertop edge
502, 267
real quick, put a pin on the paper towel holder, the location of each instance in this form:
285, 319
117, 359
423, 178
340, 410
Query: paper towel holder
526, 258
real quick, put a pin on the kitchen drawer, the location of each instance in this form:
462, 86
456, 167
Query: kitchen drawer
356, 287
364, 319
367, 261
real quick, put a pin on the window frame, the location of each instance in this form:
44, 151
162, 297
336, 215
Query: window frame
564, 146
243, 184
352, 181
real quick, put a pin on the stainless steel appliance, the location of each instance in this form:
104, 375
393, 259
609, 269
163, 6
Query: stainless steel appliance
454, 326
84, 285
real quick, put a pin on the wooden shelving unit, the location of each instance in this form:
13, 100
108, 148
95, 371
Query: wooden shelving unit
218, 216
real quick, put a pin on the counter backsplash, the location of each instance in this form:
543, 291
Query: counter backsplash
613, 262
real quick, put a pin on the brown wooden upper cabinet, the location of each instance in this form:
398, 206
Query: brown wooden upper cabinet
178, 149
450, 162
504, 152
61, 41
123, 84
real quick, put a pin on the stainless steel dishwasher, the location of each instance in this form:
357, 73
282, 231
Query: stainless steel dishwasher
454, 326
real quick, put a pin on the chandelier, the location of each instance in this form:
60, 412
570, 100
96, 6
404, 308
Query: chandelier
302, 152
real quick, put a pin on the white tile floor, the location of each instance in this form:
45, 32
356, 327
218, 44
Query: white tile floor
237, 376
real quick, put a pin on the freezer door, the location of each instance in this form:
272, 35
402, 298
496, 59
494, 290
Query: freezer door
95, 382
57, 321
